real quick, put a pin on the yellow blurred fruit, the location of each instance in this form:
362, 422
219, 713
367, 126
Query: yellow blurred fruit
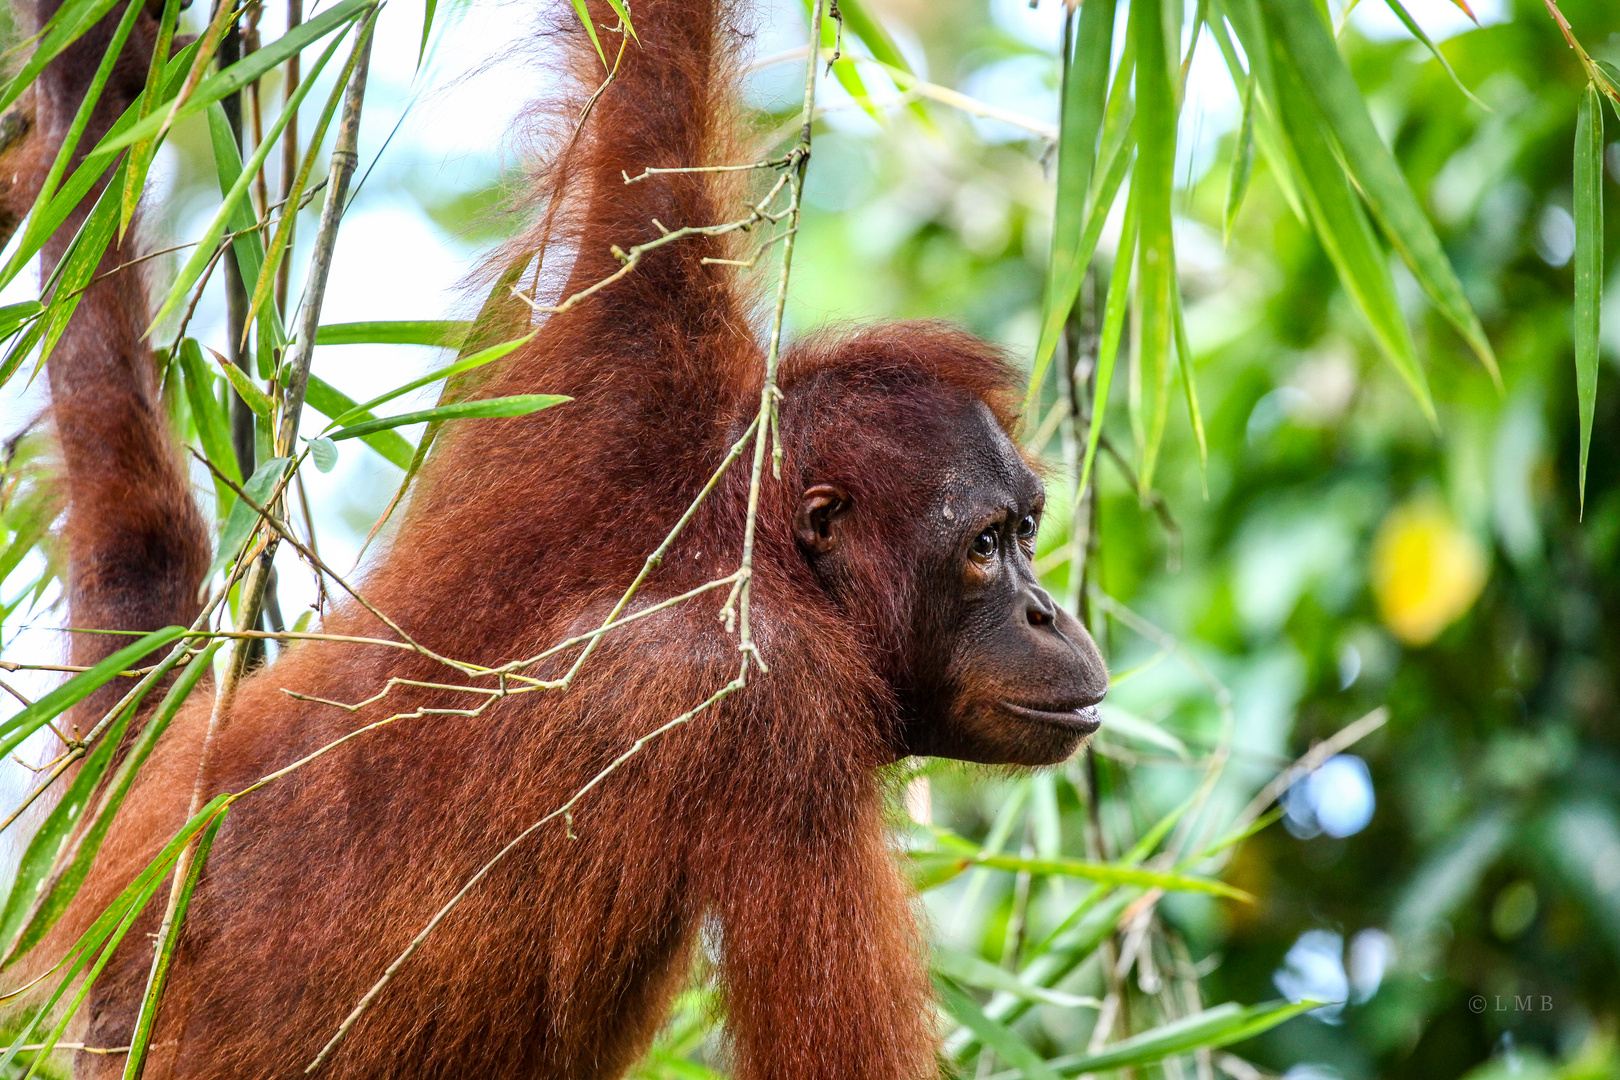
1427, 570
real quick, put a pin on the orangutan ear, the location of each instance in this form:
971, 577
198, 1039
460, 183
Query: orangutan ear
816, 522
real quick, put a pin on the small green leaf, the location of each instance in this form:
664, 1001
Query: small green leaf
516, 405
245, 387
1588, 262
329, 401
324, 452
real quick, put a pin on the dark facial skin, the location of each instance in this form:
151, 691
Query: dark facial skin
998, 672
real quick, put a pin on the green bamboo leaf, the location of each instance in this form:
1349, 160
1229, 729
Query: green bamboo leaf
501, 313
516, 405
324, 452
65, 26
849, 77
1588, 262
1076, 938
247, 246
1220, 1026
1085, 90
142, 153
863, 25
1237, 836
225, 15
970, 970
203, 253
1237, 185
1099, 872
1189, 383
444, 333
1055, 315
623, 13
1007, 1044
1337, 216
1267, 137
1610, 75
245, 387
1312, 53
450, 371
81, 117
54, 832
1151, 187
106, 941
1113, 330
1119, 723
146, 1019
590, 28
281, 243
329, 401
105, 934
78, 267
239, 525
44, 221
12, 316
866, 26
241, 73
427, 32
212, 420
59, 888
23, 723
21, 348
1434, 50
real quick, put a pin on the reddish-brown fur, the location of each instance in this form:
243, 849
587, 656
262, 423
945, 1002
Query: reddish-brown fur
761, 818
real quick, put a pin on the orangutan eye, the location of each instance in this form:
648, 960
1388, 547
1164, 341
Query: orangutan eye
984, 545
1026, 527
